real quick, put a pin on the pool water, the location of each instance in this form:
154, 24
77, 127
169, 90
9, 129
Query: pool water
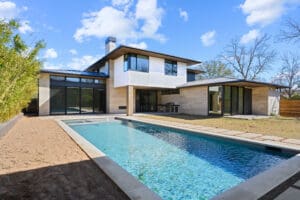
177, 164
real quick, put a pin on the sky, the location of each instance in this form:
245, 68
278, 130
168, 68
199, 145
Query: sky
75, 31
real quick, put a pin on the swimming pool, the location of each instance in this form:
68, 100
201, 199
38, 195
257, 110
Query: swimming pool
177, 164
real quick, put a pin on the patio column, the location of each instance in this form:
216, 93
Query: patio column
129, 100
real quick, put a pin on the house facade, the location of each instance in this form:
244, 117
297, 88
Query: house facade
130, 80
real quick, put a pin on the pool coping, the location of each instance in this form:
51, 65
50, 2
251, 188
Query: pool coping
219, 133
132, 187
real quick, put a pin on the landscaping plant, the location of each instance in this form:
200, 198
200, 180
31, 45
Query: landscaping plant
19, 69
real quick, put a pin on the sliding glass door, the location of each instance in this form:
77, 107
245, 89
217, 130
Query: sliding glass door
73, 100
146, 101
86, 100
57, 100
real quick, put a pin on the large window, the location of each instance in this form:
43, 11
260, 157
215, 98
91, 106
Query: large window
136, 62
73, 100
86, 100
57, 100
74, 95
170, 68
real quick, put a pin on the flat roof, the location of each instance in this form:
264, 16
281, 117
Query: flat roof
74, 73
122, 49
229, 81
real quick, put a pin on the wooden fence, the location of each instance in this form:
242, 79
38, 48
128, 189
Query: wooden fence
289, 108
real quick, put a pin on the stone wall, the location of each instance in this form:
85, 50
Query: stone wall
44, 94
115, 97
265, 101
191, 100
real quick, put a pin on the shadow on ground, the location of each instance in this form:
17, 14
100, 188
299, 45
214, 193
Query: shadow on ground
78, 180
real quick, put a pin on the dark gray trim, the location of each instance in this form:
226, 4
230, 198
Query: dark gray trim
233, 81
128, 49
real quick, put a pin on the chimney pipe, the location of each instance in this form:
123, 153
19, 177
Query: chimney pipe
110, 44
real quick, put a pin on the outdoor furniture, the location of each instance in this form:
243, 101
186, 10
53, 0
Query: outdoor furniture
168, 107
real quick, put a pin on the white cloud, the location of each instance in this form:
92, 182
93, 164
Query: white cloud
208, 38
250, 36
73, 51
264, 12
141, 45
113, 21
82, 62
50, 53
183, 14
25, 27
122, 4
148, 11
8, 10
106, 22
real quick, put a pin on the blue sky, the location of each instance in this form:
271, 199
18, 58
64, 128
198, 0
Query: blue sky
75, 31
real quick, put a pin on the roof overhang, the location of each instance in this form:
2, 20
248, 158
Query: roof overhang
73, 73
237, 82
122, 49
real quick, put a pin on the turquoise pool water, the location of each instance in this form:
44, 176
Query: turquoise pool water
177, 164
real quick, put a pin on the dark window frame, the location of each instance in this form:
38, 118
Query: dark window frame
170, 92
64, 84
129, 66
174, 68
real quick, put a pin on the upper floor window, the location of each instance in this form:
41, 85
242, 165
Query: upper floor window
170, 68
136, 62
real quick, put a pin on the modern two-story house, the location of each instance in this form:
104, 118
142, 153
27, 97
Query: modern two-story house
130, 80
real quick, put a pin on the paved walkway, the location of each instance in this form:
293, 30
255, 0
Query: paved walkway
38, 160
252, 137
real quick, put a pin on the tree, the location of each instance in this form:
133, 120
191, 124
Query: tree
290, 72
214, 69
291, 31
249, 61
19, 69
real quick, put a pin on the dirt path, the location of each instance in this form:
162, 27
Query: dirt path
39, 161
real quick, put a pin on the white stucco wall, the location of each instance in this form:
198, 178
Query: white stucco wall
44, 94
154, 78
273, 102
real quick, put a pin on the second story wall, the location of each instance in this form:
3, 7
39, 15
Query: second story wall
154, 78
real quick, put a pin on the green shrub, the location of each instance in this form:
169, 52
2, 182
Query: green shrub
19, 69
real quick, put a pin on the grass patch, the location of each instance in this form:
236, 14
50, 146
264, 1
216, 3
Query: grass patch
277, 126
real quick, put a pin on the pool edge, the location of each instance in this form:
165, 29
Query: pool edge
133, 188
261, 184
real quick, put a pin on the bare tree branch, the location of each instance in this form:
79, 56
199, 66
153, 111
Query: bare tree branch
290, 72
291, 31
249, 62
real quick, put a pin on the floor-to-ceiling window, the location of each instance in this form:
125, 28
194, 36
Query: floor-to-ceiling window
146, 101
215, 99
57, 100
74, 95
87, 100
229, 100
99, 100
